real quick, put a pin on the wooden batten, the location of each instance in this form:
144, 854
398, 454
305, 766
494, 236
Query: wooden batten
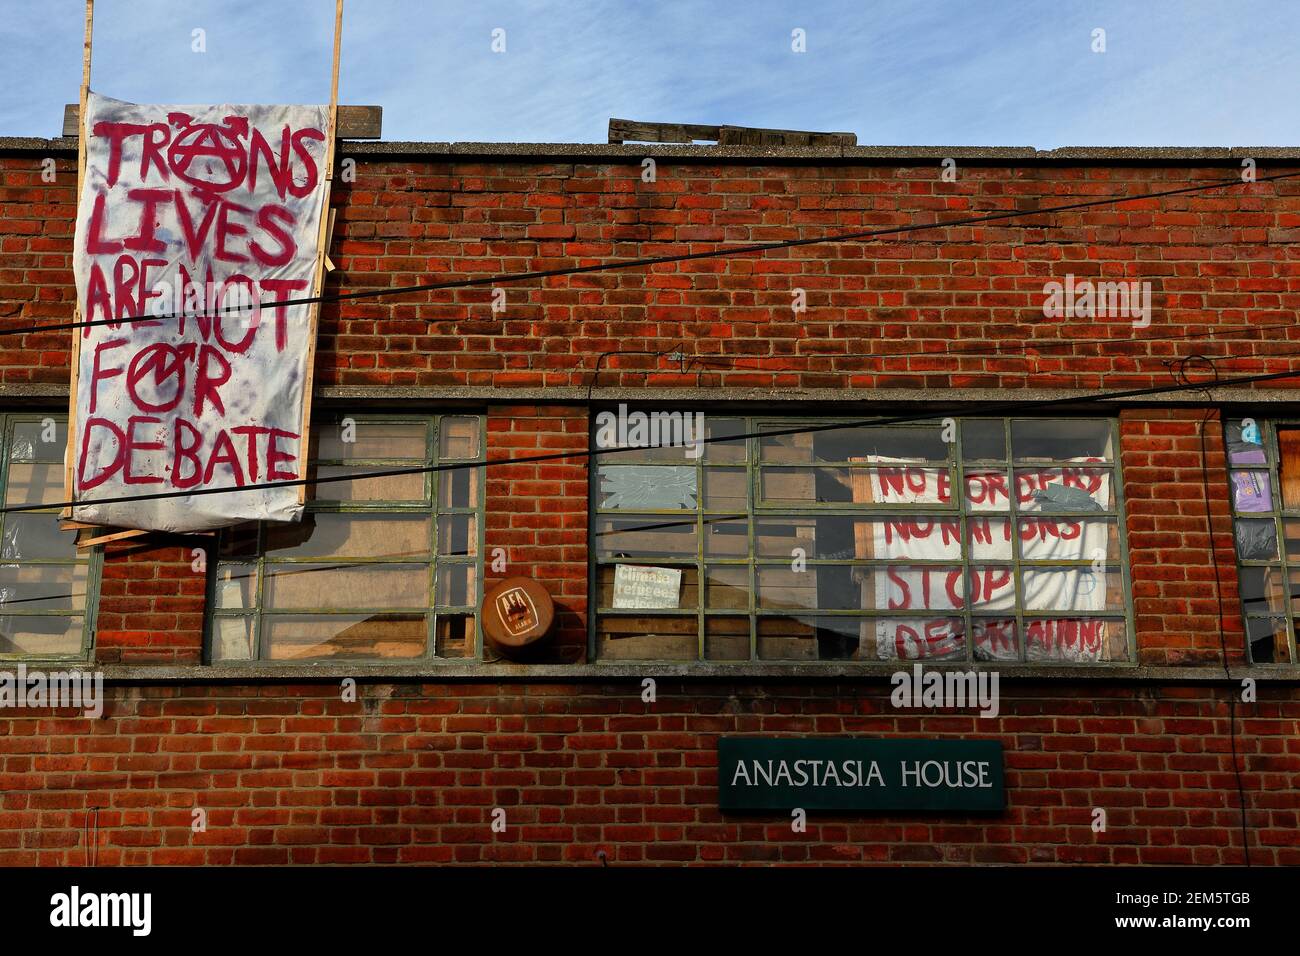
355, 122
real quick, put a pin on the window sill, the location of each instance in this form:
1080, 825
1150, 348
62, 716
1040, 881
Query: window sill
558, 673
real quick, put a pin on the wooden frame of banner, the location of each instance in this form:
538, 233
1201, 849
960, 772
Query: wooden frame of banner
323, 240
70, 453
325, 234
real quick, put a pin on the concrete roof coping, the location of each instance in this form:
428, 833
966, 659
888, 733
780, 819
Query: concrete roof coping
607, 152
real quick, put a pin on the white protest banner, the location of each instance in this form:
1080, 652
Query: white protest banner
990, 588
186, 211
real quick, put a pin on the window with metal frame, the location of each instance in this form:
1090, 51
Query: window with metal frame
818, 543
47, 587
1264, 481
379, 569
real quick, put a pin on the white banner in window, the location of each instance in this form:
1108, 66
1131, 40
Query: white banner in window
988, 589
187, 210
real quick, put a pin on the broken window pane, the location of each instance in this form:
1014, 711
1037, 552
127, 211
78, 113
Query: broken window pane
648, 487
40, 441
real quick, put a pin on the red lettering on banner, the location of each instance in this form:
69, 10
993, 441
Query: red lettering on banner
192, 391
132, 445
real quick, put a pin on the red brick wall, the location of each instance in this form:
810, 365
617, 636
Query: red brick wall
411, 774
537, 513
1217, 260
1175, 581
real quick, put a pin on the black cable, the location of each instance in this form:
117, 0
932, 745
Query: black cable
1180, 372
959, 409
737, 250
996, 351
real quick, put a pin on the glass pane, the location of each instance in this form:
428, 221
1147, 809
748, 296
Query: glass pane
724, 451
358, 438
1072, 589
928, 539
894, 485
39, 441
912, 443
458, 438
919, 639
644, 638
983, 439
43, 587
647, 536
40, 636
901, 587
820, 536
988, 539
36, 536
1288, 461
393, 488
457, 535
812, 638
987, 491
724, 538
232, 639
726, 638
728, 587
1268, 640
34, 484
1256, 539
322, 534
650, 436
1291, 540
1065, 489
648, 487
301, 637
726, 489
905, 485
455, 635
995, 639
460, 488
457, 585
1075, 640
307, 586
1069, 539
236, 586
1063, 439
785, 449
687, 592
239, 541
1245, 444
1252, 491
817, 587
1261, 590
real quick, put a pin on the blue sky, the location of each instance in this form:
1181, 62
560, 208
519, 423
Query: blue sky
946, 72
